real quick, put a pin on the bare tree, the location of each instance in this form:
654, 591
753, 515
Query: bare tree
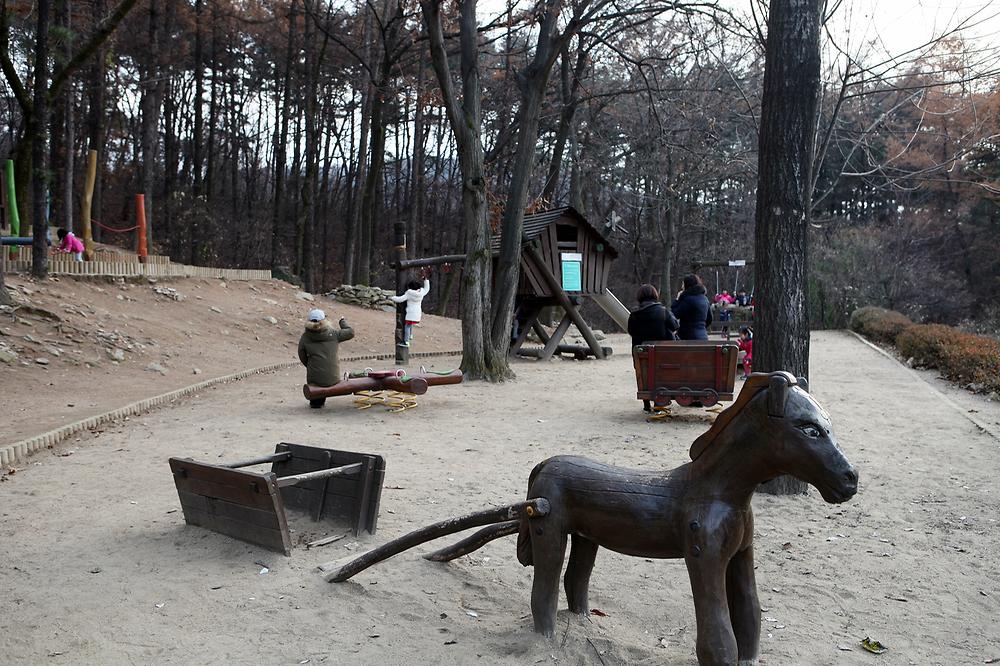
480, 359
784, 192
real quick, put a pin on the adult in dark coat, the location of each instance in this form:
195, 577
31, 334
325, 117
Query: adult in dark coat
692, 309
318, 351
650, 322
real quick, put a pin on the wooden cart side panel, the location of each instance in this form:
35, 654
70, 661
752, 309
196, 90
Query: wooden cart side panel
691, 365
238, 503
335, 499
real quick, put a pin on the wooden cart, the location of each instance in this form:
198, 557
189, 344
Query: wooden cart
338, 486
685, 371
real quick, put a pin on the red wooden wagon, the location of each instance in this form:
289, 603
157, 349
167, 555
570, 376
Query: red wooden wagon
685, 371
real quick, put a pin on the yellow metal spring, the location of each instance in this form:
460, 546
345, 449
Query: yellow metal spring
394, 401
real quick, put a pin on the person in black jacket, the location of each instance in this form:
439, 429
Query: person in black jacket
650, 322
692, 310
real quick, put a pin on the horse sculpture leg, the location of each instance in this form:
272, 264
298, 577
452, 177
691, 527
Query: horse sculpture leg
582, 554
548, 548
716, 643
744, 607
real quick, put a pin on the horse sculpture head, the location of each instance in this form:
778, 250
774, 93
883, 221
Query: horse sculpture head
794, 431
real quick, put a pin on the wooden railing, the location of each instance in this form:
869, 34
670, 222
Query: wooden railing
127, 265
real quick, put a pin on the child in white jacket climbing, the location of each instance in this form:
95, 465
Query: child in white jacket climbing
413, 296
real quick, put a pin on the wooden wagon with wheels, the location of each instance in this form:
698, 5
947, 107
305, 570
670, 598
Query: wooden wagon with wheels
685, 371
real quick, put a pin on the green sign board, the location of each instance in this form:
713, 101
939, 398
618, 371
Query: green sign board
571, 273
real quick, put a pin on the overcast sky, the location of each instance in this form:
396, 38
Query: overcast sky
901, 25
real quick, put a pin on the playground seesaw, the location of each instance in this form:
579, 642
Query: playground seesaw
383, 380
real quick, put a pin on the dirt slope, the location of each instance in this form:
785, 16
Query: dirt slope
69, 330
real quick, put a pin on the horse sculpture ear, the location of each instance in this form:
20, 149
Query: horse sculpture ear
803, 383
777, 394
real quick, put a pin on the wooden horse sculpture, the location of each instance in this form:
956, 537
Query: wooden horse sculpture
699, 511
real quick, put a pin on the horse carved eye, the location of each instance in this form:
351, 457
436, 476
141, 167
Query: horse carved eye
810, 430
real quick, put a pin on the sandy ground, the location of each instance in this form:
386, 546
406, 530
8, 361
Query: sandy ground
216, 329
99, 567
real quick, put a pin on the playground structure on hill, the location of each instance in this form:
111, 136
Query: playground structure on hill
393, 388
563, 258
338, 486
700, 511
9, 201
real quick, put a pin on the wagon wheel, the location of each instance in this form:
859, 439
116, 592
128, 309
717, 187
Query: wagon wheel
710, 398
685, 399
661, 398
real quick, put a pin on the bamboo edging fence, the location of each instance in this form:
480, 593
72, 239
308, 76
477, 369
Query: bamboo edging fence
155, 266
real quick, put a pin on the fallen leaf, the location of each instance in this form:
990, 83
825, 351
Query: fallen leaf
598, 612
873, 646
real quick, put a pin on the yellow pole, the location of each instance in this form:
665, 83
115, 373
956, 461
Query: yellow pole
88, 198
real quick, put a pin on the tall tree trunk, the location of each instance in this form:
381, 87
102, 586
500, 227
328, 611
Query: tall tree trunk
152, 93
569, 85
61, 147
195, 232
40, 118
532, 82
354, 221
307, 216
97, 121
479, 357
417, 193
281, 142
369, 199
786, 143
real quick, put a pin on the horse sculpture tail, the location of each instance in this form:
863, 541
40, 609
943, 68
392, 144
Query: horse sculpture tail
524, 554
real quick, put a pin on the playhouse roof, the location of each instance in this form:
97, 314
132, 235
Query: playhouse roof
536, 223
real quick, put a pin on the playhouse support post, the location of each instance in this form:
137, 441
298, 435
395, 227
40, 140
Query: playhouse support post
140, 232
399, 243
85, 204
552, 344
530, 321
556, 288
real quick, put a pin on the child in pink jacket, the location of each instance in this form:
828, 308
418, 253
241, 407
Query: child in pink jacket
70, 244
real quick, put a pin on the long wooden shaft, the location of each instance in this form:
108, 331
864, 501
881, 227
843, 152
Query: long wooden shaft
338, 572
273, 457
294, 479
474, 542
556, 288
431, 261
